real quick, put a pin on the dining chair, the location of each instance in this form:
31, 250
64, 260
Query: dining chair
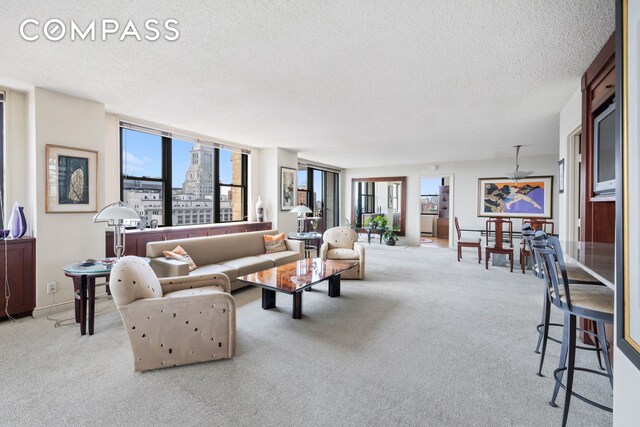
595, 303
465, 242
495, 227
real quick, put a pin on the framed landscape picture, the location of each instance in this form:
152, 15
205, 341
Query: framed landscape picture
288, 187
72, 180
527, 198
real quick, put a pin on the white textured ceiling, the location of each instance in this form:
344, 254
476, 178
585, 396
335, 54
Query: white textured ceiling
347, 83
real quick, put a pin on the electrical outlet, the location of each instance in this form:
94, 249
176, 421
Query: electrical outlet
52, 287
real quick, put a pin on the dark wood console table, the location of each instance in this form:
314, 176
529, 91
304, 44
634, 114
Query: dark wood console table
136, 240
21, 258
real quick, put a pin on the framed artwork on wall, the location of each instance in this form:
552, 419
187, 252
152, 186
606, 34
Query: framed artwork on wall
627, 167
72, 180
529, 197
561, 176
288, 188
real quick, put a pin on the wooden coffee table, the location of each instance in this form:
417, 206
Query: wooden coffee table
295, 277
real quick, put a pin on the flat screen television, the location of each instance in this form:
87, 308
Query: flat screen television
604, 152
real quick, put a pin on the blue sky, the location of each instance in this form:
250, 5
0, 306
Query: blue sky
429, 185
143, 157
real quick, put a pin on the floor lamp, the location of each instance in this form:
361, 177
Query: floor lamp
114, 215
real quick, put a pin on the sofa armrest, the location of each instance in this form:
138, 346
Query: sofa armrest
165, 267
172, 284
295, 246
323, 250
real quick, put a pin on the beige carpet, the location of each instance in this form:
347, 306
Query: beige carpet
423, 341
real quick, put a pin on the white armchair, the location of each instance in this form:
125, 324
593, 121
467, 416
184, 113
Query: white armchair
173, 321
342, 243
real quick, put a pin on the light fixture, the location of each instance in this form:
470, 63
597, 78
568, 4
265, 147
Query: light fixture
517, 174
114, 215
301, 211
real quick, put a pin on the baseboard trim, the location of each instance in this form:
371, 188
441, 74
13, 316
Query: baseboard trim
56, 308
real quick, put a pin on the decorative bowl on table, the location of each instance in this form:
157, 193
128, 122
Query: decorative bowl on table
107, 262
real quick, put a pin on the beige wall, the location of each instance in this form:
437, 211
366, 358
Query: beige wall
271, 160
570, 121
16, 153
63, 238
464, 186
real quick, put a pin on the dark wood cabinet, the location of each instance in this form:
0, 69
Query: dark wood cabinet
20, 256
598, 91
136, 240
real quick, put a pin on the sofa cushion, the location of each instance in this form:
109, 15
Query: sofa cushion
202, 290
281, 258
249, 264
214, 249
231, 272
273, 244
342, 254
181, 255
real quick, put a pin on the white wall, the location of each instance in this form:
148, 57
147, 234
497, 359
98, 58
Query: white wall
464, 186
63, 238
111, 158
570, 121
16, 153
271, 160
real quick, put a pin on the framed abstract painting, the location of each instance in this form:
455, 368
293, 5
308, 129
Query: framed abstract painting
72, 180
288, 188
529, 197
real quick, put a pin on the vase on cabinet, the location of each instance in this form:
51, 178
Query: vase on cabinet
17, 222
260, 210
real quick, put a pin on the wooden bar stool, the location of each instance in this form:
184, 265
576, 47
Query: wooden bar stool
595, 303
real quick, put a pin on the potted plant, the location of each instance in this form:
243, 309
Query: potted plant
381, 221
390, 235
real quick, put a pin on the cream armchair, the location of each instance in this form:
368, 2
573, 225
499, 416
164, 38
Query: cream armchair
173, 321
341, 243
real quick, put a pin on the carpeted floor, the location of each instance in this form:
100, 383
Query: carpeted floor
423, 341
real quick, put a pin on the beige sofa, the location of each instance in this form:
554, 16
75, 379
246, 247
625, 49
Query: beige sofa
232, 254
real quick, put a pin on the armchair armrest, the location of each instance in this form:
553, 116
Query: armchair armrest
165, 267
172, 284
295, 245
359, 248
323, 250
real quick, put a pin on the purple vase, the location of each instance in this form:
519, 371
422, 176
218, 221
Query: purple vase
17, 222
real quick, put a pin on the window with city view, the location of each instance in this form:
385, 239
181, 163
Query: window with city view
429, 189
319, 190
206, 184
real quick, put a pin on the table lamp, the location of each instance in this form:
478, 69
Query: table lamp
301, 210
115, 214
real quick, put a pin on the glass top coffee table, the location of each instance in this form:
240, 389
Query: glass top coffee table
295, 277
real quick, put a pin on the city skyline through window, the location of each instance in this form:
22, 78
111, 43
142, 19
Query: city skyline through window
205, 184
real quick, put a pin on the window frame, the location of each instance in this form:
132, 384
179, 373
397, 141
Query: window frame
166, 180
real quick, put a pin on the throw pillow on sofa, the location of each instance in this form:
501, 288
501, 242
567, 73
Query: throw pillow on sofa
274, 243
181, 255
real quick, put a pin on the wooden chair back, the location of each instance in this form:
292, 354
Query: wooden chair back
455, 220
545, 225
497, 227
